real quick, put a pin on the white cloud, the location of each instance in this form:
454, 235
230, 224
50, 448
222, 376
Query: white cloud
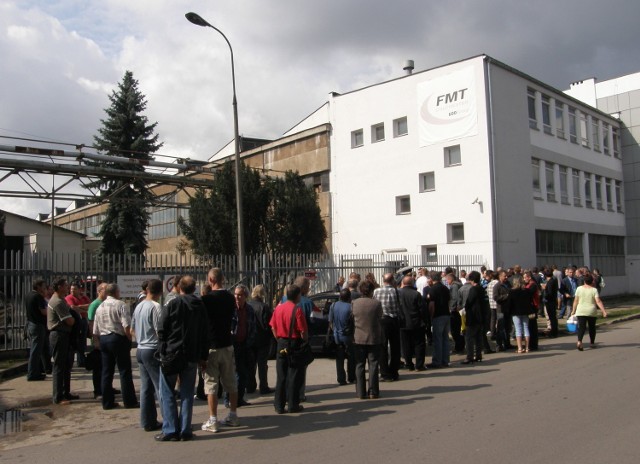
61, 58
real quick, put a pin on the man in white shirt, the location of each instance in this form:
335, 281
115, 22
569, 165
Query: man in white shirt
112, 335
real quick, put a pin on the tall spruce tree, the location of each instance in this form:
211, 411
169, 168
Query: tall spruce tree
125, 132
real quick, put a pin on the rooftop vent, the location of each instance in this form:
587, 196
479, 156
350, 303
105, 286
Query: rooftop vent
408, 67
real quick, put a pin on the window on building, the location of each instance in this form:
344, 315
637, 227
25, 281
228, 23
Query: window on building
93, 224
319, 182
427, 181
577, 200
400, 127
608, 194
546, 114
607, 254
430, 253
573, 125
550, 181
618, 196
535, 174
605, 138
558, 247
615, 132
598, 185
531, 102
587, 191
377, 133
595, 134
564, 185
403, 204
455, 233
584, 129
452, 156
560, 119
357, 138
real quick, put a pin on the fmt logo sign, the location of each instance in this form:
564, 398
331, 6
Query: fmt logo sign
450, 97
447, 106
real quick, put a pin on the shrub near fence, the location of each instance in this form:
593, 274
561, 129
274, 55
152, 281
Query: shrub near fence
273, 271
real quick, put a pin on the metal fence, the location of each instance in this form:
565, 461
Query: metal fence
18, 271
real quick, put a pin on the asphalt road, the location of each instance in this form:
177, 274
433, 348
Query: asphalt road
557, 405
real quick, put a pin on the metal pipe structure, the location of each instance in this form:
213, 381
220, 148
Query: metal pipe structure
199, 21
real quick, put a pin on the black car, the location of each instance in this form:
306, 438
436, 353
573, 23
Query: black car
320, 339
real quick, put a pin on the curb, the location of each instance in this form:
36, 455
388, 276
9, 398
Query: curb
13, 371
622, 319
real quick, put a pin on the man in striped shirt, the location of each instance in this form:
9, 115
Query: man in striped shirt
390, 354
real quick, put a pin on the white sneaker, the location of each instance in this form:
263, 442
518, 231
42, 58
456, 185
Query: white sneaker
210, 426
230, 421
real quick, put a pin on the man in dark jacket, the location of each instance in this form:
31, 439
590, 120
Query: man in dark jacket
412, 335
455, 305
477, 312
182, 328
503, 326
550, 293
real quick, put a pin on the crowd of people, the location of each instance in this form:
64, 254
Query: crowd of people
211, 346
455, 313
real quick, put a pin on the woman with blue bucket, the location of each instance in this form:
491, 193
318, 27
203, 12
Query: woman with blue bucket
585, 307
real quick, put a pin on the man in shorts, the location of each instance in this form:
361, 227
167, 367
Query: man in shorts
220, 307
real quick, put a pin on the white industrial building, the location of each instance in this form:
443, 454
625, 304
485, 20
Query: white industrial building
475, 157
620, 97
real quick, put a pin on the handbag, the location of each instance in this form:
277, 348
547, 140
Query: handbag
173, 363
93, 359
302, 355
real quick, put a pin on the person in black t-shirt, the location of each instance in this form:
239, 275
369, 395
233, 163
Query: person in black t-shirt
37, 331
441, 321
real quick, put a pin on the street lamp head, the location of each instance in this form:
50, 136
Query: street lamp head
197, 20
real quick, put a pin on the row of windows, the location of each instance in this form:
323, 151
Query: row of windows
90, 225
163, 222
569, 185
377, 133
582, 128
606, 252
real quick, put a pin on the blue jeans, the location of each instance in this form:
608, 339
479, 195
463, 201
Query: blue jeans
344, 351
441, 328
149, 386
521, 324
567, 307
172, 423
37, 362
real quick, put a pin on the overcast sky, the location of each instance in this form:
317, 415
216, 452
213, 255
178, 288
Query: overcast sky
59, 59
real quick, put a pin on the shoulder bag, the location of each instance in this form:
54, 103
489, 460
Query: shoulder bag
301, 356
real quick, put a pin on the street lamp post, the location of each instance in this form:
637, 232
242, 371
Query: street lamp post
199, 21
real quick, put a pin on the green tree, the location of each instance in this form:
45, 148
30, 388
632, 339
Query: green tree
294, 224
125, 132
280, 215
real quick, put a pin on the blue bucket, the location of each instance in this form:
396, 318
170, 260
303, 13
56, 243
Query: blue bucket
572, 327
